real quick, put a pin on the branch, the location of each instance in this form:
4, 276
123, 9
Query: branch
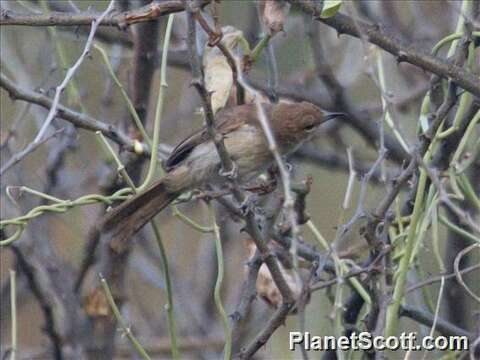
44, 301
149, 12
228, 168
215, 39
437, 278
359, 121
403, 53
31, 147
71, 72
248, 295
198, 81
79, 120
272, 325
444, 327
331, 160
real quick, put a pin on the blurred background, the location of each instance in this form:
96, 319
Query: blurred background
58, 257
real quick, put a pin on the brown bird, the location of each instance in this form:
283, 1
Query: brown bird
195, 160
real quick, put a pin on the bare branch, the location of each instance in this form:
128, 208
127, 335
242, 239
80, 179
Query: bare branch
149, 12
31, 147
78, 119
403, 53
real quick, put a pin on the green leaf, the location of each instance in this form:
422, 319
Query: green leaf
330, 8
424, 123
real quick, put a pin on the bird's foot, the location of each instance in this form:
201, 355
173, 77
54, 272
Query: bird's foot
230, 174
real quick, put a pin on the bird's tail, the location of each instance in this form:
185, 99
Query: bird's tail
128, 218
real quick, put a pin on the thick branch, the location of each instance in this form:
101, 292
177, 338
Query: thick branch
78, 119
404, 53
149, 12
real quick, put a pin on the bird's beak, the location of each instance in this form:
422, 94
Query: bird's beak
333, 115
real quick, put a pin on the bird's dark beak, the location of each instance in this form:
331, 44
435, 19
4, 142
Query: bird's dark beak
333, 115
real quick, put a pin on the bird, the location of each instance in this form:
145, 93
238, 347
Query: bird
195, 161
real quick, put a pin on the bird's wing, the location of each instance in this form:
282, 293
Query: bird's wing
227, 120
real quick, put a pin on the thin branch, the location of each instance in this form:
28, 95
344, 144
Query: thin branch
149, 12
123, 325
458, 274
215, 40
198, 81
228, 166
44, 301
80, 120
13, 306
229, 170
288, 200
443, 327
438, 278
71, 71
403, 53
248, 295
262, 338
31, 147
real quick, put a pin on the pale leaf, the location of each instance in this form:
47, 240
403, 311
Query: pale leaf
218, 74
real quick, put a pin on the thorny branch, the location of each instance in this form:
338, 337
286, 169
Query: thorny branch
148, 12
343, 24
229, 169
404, 53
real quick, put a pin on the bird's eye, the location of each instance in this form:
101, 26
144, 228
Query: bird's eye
309, 127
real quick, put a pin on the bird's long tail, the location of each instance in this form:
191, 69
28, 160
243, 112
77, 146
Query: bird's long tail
128, 218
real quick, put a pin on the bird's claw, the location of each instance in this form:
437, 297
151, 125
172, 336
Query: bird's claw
230, 174
247, 205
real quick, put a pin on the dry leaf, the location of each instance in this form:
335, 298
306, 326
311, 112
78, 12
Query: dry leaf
96, 304
266, 287
218, 74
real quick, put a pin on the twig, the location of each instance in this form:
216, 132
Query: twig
44, 301
31, 147
360, 211
142, 14
227, 351
248, 295
458, 274
172, 326
288, 201
215, 40
159, 107
58, 207
126, 329
438, 278
80, 120
451, 226
263, 336
437, 310
129, 103
443, 327
272, 68
13, 306
444, 198
71, 72
376, 35
337, 93
428, 139
228, 167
